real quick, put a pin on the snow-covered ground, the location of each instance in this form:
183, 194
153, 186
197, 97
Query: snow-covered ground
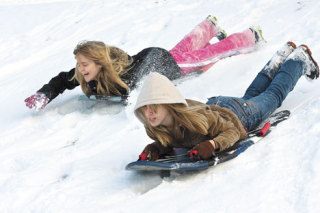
71, 159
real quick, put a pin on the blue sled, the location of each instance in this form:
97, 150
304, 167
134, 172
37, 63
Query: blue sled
182, 163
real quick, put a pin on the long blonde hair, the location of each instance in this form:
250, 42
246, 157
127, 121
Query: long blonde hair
188, 117
113, 61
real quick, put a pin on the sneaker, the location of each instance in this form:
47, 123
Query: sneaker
273, 65
257, 33
221, 33
212, 19
313, 71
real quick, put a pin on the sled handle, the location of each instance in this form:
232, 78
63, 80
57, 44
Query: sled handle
265, 129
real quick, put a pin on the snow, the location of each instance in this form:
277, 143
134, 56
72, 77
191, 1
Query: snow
69, 158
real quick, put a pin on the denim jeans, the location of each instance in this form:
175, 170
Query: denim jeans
264, 95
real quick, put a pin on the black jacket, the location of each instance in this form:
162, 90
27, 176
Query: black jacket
152, 59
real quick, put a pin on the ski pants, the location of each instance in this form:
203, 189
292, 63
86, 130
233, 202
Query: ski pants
195, 53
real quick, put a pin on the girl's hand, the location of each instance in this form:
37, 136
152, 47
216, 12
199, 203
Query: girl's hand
150, 152
37, 101
202, 151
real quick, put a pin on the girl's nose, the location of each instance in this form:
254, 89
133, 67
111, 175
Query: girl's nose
148, 111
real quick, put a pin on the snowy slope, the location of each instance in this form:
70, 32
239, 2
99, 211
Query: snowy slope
71, 159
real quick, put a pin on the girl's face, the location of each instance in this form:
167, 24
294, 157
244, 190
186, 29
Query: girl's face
87, 67
158, 115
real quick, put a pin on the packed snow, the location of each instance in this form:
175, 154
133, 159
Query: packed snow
71, 156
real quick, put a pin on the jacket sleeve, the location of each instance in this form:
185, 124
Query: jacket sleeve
223, 131
59, 84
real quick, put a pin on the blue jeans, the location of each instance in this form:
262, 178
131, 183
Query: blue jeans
264, 95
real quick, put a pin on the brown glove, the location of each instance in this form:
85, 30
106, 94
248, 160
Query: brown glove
150, 152
203, 150
154, 151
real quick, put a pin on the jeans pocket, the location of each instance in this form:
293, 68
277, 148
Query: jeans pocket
241, 107
248, 113
254, 118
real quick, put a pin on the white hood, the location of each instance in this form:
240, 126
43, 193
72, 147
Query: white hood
158, 89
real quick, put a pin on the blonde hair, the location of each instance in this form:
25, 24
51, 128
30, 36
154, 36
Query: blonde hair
188, 117
114, 63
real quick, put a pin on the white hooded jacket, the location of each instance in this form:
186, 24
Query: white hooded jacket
225, 127
158, 89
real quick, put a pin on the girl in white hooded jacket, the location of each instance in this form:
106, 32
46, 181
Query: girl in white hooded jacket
174, 122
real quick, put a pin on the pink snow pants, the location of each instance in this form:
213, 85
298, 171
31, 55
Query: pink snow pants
195, 53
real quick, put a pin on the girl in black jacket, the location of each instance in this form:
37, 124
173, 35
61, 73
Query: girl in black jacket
109, 71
